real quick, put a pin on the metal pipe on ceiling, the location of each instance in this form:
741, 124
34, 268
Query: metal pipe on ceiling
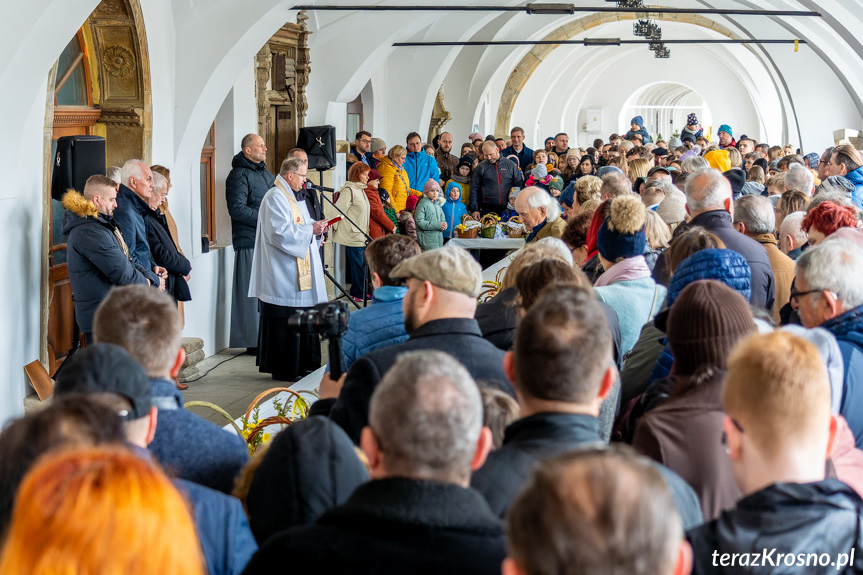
557, 9
591, 42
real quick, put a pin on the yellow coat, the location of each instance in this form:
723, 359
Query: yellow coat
395, 181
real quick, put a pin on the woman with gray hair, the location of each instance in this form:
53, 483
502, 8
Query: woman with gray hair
164, 251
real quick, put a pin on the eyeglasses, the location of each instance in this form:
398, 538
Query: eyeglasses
366, 141
725, 435
798, 294
303, 176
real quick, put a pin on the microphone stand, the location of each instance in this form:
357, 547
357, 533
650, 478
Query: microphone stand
321, 188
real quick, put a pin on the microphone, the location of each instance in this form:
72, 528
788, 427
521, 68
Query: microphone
310, 186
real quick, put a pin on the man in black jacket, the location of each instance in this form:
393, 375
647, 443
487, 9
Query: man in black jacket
439, 313
779, 432
562, 369
97, 256
492, 181
245, 187
418, 514
708, 201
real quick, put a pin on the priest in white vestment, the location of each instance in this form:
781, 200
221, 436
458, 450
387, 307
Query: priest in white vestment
287, 275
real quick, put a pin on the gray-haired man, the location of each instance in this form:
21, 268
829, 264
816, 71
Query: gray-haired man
417, 515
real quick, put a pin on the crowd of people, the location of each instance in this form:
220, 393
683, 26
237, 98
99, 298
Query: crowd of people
668, 381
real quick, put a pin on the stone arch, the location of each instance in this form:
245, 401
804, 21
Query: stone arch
530, 61
118, 72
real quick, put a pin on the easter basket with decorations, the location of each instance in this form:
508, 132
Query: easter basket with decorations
489, 225
513, 227
468, 228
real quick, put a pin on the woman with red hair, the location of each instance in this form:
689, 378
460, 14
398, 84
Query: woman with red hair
100, 510
826, 218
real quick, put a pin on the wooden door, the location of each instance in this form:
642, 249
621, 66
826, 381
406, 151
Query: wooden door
73, 115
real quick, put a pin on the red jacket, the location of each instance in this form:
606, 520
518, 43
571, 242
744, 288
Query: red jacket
379, 224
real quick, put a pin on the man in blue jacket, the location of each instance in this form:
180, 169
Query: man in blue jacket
420, 166
245, 187
109, 375
827, 292
846, 161
518, 149
147, 324
97, 256
136, 187
382, 324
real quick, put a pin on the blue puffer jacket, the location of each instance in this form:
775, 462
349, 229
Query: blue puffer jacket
453, 210
848, 330
420, 168
726, 266
639, 121
856, 178
382, 324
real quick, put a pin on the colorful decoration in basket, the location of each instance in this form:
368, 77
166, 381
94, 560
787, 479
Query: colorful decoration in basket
292, 410
468, 228
514, 228
489, 222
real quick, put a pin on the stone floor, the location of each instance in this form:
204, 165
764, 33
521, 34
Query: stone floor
232, 381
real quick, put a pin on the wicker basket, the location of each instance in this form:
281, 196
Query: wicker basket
469, 234
489, 226
515, 232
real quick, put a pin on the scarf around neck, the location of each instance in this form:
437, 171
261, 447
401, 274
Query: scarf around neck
629, 269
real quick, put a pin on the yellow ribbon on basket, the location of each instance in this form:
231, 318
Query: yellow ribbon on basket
304, 265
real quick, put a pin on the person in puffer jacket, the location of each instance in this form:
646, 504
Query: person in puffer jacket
638, 128
726, 266
453, 209
381, 324
429, 217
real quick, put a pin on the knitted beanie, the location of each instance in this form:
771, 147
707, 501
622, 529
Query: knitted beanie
622, 233
539, 171
431, 184
725, 128
718, 159
704, 324
691, 120
411, 202
464, 161
737, 178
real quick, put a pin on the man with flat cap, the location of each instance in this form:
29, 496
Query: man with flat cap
439, 309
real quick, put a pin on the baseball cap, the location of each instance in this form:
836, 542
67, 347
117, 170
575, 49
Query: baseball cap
449, 268
107, 368
655, 169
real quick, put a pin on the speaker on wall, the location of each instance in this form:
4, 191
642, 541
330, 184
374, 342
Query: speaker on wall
319, 142
77, 158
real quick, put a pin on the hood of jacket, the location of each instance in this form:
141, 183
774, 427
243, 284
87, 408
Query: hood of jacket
726, 266
848, 326
795, 518
449, 187
241, 161
855, 177
79, 210
76, 203
310, 468
752, 189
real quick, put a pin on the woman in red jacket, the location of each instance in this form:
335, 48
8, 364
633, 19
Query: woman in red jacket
379, 224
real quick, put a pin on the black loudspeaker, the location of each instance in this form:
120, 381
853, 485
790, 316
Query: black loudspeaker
319, 142
77, 158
